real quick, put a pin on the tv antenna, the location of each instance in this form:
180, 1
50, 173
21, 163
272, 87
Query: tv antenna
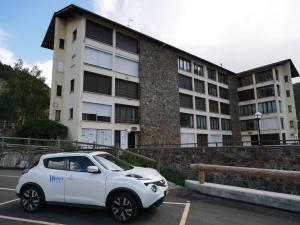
129, 21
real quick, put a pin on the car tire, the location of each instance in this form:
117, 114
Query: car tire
124, 207
32, 199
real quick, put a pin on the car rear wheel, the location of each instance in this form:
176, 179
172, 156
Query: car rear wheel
124, 207
31, 199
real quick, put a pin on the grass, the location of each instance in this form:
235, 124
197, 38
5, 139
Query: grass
169, 174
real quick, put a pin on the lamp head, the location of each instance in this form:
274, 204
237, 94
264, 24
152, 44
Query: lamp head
258, 115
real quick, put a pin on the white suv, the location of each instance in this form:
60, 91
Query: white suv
91, 178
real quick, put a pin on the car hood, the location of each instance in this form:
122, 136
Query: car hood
148, 173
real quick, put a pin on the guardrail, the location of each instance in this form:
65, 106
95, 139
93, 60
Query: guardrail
257, 172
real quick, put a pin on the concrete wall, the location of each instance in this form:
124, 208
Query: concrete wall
159, 95
277, 157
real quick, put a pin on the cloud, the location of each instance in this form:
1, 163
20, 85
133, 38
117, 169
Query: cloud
8, 57
239, 34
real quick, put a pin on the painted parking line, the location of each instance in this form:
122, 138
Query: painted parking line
7, 189
28, 220
10, 201
186, 210
10, 176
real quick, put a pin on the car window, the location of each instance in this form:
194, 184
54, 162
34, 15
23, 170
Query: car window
57, 163
79, 163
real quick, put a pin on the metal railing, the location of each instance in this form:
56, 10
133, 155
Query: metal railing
257, 172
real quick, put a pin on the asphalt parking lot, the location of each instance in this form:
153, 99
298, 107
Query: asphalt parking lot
181, 207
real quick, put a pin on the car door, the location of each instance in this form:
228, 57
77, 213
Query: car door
82, 187
54, 181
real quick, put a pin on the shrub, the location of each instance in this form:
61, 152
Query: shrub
47, 129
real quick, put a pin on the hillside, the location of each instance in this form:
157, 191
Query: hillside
23, 93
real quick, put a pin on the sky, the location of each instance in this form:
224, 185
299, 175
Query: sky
238, 34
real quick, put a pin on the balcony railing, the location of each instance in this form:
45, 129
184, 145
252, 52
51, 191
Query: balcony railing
126, 120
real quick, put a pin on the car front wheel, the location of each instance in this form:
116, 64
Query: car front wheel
124, 207
31, 199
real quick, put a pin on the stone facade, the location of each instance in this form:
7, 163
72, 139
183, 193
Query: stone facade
234, 110
277, 157
159, 95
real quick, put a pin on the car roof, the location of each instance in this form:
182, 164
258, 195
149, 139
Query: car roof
78, 153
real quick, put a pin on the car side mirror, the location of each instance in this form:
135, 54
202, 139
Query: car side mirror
93, 169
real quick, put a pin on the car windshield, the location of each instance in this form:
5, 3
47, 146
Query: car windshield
112, 163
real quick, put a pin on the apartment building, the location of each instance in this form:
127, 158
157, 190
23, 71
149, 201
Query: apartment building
115, 86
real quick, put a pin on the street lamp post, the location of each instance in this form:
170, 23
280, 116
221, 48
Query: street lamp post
258, 116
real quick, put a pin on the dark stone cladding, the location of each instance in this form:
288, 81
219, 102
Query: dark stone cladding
234, 110
159, 94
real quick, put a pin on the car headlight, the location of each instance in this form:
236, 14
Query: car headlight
153, 188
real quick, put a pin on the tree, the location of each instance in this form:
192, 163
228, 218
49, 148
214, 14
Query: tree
25, 96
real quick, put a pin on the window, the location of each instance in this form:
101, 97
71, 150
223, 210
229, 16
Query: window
277, 74
248, 125
96, 83
288, 93
212, 90
70, 113
126, 89
266, 91
226, 124
186, 120
127, 66
202, 140
79, 163
98, 58
58, 90
96, 112
214, 123
292, 124
201, 122
200, 104
226, 139
126, 43
198, 70
290, 108
184, 64
199, 86
224, 93
224, 108
61, 43
126, 114
185, 82
278, 90
267, 107
211, 74
72, 83
60, 67
57, 163
280, 106
57, 115
282, 123
73, 60
74, 35
99, 33
246, 80
263, 76
246, 95
222, 78
247, 110
186, 101
286, 78
213, 106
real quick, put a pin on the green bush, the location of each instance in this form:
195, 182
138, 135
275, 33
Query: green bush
45, 129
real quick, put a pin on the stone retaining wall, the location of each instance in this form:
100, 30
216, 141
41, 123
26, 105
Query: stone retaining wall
269, 157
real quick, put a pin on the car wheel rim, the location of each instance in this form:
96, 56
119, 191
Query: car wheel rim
30, 200
122, 208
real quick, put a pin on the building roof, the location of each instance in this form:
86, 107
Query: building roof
270, 66
73, 10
